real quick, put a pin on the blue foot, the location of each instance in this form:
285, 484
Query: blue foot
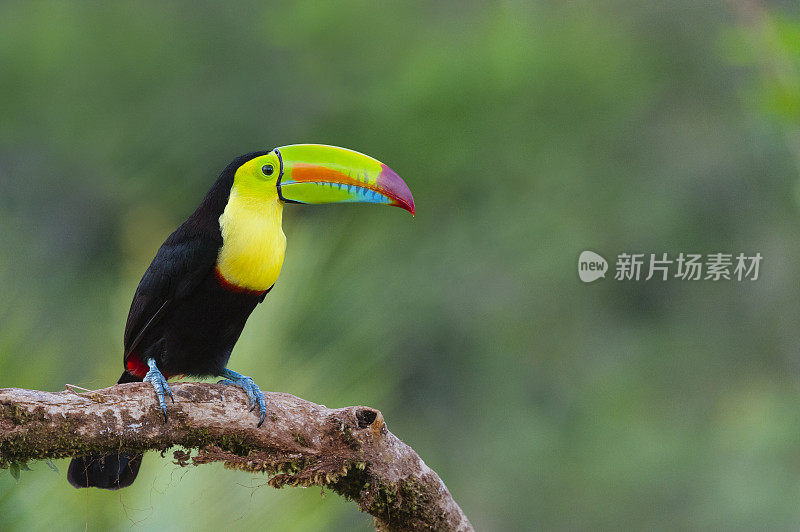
158, 381
253, 391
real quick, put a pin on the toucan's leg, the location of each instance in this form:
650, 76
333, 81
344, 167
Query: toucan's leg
158, 381
252, 389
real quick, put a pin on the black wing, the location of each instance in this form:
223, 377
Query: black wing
181, 263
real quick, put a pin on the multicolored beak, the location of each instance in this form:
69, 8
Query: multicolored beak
315, 173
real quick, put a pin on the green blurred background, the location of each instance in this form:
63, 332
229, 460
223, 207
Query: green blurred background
528, 131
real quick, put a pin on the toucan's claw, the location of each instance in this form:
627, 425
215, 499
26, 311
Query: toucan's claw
254, 394
159, 382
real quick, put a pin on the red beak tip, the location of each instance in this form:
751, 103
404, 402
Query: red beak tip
406, 206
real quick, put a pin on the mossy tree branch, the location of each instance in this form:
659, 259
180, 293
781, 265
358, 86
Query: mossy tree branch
348, 450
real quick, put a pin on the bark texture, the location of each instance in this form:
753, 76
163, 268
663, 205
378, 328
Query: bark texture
348, 450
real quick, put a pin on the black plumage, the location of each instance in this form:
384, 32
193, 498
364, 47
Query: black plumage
183, 315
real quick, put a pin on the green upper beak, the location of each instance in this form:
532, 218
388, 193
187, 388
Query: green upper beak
315, 173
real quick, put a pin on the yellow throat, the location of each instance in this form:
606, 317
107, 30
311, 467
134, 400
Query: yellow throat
253, 243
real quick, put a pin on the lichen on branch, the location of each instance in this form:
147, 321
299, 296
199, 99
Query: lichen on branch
348, 450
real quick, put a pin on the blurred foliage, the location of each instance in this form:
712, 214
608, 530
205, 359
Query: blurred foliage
528, 131
771, 41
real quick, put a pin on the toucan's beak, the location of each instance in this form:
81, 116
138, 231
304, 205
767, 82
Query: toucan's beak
314, 173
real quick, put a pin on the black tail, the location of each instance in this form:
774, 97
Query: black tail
110, 472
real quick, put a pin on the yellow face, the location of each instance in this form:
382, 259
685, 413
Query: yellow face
253, 242
257, 178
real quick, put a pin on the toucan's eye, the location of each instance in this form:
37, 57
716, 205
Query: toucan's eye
267, 169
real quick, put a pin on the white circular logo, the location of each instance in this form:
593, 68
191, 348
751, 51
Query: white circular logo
591, 266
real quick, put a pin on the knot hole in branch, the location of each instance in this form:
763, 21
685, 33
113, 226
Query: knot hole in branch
366, 417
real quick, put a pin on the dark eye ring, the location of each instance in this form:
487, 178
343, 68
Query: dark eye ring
267, 169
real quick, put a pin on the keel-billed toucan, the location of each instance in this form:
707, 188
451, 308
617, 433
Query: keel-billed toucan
208, 276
